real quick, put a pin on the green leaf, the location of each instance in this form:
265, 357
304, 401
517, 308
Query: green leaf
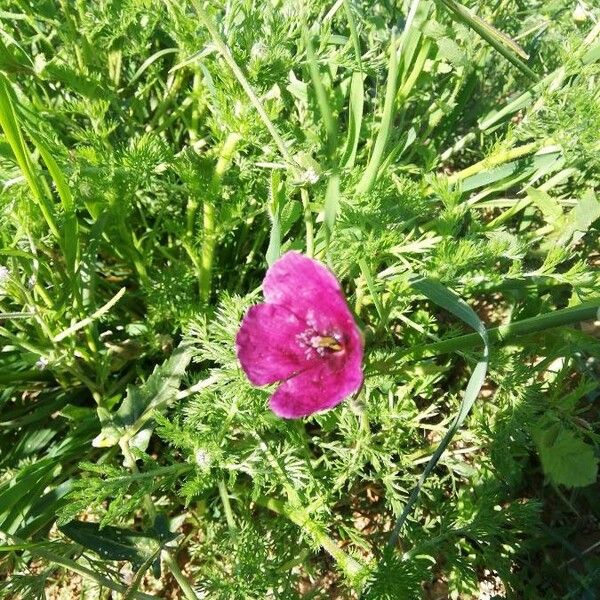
580, 219
81, 84
516, 170
332, 203
290, 213
117, 543
159, 389
70, 236
9, 124
366, 271
548, 206
495, 38
385, 126
355, 115
321, 93
566, 458
141, 401
17, 497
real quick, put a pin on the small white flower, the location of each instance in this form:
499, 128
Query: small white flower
580, 14
202, 458
258, 51
4, 274
31, 281
309, 176
42, 363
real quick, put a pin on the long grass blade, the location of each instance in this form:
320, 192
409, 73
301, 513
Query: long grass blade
448, 300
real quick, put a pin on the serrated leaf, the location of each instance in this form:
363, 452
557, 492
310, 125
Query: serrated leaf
566, 458
154, 394
290, 213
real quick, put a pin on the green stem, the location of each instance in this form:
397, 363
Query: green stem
497, 159
170, 561
227, 506
208, 218
184, 584
502, 43
506, 333
224, 50
300, 517
310, 234
298, 514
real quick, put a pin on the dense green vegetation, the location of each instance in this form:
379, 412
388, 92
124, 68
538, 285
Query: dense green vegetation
156, 157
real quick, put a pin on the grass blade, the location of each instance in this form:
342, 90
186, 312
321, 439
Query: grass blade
326, 112
70, 236
495, 38
274, 207
355, 115
12, 131
370, 174
448, 300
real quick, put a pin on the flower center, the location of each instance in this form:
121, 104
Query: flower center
322, 345
325, 341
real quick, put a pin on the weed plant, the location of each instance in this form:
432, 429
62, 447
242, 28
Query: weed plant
443, 159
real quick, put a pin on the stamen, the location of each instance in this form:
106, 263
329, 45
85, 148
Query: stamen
329, 342
312, 341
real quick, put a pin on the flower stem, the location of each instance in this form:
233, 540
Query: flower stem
226, 506
350, 566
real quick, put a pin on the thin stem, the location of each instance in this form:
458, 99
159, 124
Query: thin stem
209, 212
496, 159
184, 584
71, 565
170, 561
224, 50
298, 514
226, 506
308, 223
506, 333
350, 566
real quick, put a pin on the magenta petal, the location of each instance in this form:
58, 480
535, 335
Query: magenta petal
317, 389
309, 287
303, 336
266, 344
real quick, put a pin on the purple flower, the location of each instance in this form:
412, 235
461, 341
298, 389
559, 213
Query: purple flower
304, 337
